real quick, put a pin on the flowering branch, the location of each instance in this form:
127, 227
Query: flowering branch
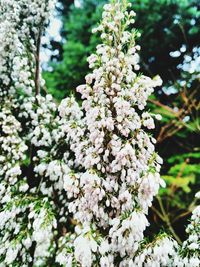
37, 62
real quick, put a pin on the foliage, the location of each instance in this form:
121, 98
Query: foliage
71, 70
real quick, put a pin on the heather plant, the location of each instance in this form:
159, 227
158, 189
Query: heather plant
110, 199
77, 181
26, 218
176, 61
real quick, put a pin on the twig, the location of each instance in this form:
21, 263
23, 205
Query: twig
189, 211
167, 221
37, 62
157, 103
158, 213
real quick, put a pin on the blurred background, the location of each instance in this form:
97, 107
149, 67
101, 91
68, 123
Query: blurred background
170, 47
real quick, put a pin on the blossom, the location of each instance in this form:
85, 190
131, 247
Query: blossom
83, 251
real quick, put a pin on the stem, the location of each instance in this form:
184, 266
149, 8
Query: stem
158, 213
181, 216
189, 211
173, 232
32, 252
167, 221
161, 206
37, 62
164, 106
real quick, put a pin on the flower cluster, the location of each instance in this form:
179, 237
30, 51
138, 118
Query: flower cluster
12, 146
26, 225
161, 252
190, 251
21, 23
27, 218
118, 173
121, 167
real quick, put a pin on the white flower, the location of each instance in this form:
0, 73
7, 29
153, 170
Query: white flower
11, 254
193, 246
197, 195
104, 247
83, 252
158, 117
